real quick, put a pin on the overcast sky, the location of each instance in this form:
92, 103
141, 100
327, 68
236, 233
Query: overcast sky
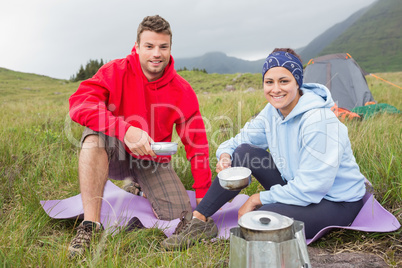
54, 37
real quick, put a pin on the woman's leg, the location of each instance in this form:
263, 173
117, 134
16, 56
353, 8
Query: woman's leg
262, 167
214, 199
318, 216
261, 164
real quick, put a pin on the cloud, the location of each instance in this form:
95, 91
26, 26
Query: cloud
55, 37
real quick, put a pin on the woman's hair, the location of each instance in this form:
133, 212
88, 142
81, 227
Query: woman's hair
289, 50
155, 24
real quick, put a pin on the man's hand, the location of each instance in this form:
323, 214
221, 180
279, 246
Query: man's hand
224, 162
251, 204
138, 141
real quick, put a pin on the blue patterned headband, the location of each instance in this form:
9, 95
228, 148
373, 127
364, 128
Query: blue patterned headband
286, 60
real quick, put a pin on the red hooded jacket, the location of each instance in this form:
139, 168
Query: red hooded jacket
119, 96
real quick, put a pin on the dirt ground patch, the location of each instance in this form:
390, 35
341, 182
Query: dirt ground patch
321, 259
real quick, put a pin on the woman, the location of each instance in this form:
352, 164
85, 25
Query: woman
309, 172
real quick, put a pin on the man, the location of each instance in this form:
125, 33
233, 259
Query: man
129, 104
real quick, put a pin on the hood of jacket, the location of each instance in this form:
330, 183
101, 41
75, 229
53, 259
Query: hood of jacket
168, 74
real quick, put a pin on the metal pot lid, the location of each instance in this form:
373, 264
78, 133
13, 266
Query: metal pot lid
264, 221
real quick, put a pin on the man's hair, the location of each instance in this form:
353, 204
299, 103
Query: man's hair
155, 24
289, 50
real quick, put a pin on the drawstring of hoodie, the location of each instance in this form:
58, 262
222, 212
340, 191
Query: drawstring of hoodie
157, 102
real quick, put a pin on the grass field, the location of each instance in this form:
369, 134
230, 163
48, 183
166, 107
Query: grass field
39, 154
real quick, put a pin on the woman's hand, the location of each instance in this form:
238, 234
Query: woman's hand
138, 141
224, 162
251, 204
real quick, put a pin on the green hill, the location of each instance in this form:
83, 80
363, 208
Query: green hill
16, 85
326, 38
375, 39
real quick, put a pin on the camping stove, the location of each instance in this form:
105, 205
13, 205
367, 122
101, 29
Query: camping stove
286, 254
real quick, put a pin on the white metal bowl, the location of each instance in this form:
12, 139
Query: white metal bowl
234, 178
164, 148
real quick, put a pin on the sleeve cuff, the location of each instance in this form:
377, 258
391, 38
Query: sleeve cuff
219, 152
265, 197
122, 134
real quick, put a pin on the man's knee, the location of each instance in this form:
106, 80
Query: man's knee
93, 147
93, 141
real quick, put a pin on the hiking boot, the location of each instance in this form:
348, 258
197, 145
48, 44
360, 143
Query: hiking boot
85, 233
189, 231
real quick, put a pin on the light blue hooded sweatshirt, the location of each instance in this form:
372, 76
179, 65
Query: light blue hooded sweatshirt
310, 148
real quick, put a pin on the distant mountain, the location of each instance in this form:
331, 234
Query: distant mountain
218, 62
372, 36
375, 39
326, 38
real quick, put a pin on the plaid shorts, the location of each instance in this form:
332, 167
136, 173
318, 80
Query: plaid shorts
159, 182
